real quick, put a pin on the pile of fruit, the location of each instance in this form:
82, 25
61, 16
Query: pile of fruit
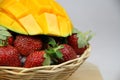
20, 50
36, 33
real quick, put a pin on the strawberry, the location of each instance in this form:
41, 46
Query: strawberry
10, 40
37, 58
9, 56
60, 53
79, 41
67, 52
73, 41
27, 44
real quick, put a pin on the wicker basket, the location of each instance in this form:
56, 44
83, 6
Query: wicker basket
53, 72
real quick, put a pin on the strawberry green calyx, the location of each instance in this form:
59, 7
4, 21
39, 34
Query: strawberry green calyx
83, 38
47, 60
54, 48
4, 34
52, 42
52, 53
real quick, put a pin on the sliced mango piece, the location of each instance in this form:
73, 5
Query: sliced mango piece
31, 25
63, 26
1, 1
17, 9
37, 6
11, 24
70, 26
57, 9
31, 4
49, 23
4, 3
44, 6
36, 17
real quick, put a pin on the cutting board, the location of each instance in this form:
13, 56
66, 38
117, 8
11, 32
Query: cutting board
87, 71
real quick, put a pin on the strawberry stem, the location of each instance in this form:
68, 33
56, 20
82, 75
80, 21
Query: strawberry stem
57, 48
83, 38
4, 34
53, 50
47, 60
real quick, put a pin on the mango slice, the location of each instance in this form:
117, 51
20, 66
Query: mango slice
37, 6
17, 9
30, 25
63, 26
34, 17
49, 23
11, 24
4, 3
57, 9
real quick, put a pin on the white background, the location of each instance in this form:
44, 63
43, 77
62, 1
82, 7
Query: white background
103, 18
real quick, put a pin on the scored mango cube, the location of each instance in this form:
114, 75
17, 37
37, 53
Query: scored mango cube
49, 23
17, 9
11, 24
30, 25
63, 26
34, 17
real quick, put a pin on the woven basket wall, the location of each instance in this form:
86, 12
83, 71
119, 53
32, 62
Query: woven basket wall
53, 72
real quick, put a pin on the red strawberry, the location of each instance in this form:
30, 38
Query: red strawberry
60, 53
10, 40
73, 41
9, 56
35, 59
67, 52
79, 41
27, 44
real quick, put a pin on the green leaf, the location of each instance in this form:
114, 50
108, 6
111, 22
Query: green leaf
2, 28
57, 51
59, 54
1, 43
90, 36
82, 41
5, 33
54, 52
75, 30
47, 60
2, 37
58, 47
52, 42
49, 51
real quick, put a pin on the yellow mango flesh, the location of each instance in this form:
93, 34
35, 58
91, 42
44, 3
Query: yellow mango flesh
64, 29
49, 23
5, 2
57, 9
37, 6
36, 17
30, 24
17, 9
10, 23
